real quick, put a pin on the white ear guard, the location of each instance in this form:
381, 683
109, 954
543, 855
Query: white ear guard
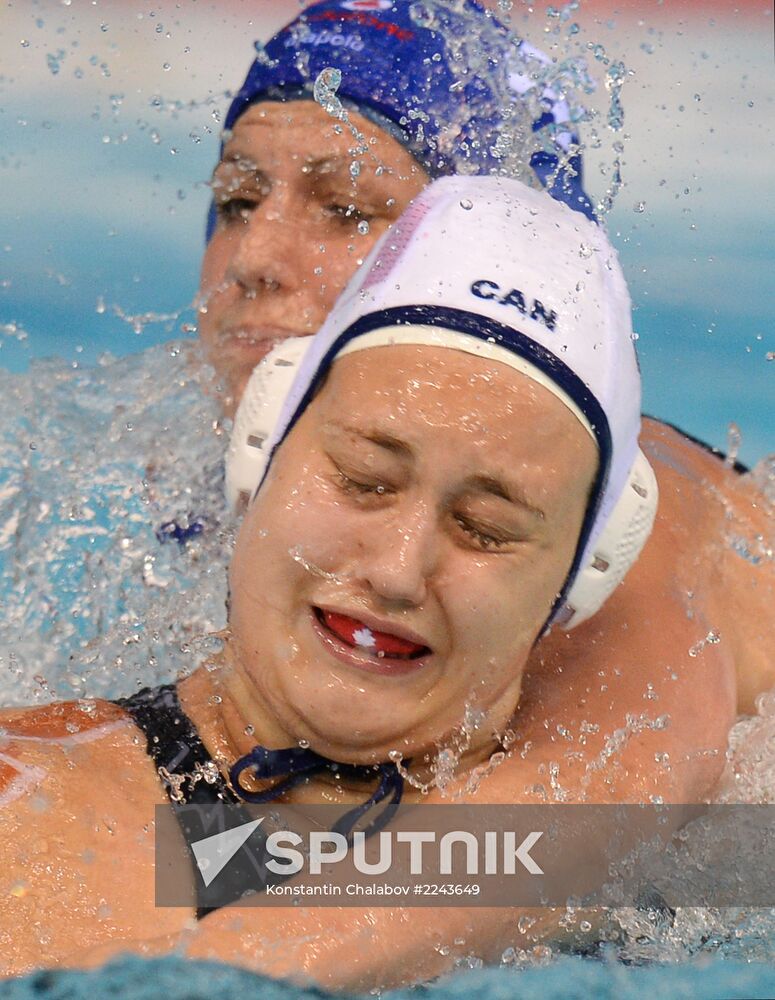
616, 548
257, 417
610, 557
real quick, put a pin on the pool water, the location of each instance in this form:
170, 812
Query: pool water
120, 476
113, 531
566, 979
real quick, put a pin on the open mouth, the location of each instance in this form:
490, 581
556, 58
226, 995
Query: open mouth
382, 645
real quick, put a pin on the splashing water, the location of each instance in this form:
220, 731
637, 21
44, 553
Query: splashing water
111, 512
296, 553
523, 81
445, 764
762, 475
734, 440
711, 639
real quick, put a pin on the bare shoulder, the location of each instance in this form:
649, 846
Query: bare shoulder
638, 701
77, 797
60, 719
716, 529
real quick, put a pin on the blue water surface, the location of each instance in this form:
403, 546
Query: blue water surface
568, 979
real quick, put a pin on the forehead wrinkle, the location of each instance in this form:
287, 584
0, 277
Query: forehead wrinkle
324, 164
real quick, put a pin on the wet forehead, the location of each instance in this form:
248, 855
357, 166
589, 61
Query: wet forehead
303, 130
423, 395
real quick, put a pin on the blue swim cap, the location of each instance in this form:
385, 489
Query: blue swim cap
452, 85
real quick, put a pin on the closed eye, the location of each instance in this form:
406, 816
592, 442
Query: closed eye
354, 486
483, 539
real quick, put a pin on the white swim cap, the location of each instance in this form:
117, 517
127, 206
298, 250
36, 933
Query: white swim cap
489, 266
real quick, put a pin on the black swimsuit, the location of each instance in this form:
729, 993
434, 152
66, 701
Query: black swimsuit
189, 773
192, 778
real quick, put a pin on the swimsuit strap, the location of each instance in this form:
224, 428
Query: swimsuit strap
191, 776
189, 773
297, 763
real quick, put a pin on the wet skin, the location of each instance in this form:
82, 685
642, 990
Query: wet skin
76, 842
408, 498
288, 238
77, 789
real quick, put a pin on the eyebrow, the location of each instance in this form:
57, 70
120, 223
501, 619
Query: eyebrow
242, 161
319, 168
332, 166
387, 441
323, 164
483, 483
489, 484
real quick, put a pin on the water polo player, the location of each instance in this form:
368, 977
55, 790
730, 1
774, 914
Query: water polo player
312, 174
454, 468
298, 201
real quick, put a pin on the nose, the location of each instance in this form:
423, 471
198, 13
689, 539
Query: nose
271, 251
400, 556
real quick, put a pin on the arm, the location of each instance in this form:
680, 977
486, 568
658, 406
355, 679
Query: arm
358, 948
573, 742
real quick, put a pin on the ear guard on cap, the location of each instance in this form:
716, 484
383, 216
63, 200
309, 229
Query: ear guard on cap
614, 552
616, 548
257, 417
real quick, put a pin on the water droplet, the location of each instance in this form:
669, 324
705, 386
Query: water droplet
466, 204
639, 207
422, 15
363, 227
734, 440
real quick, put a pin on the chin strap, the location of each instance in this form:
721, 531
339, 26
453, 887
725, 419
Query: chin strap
294, 764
